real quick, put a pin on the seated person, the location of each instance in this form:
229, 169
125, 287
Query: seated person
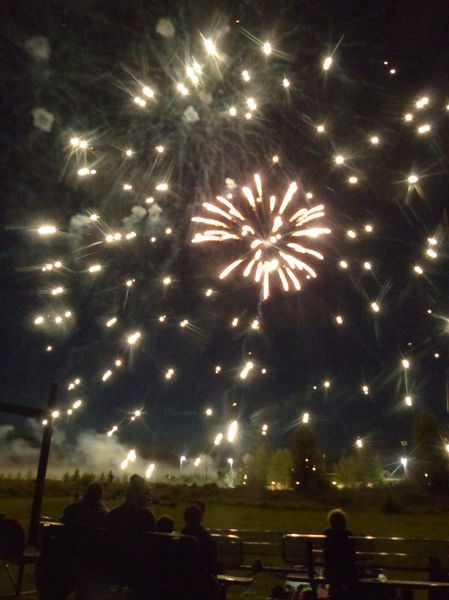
165, 524
339, 558
208, 552
89, 512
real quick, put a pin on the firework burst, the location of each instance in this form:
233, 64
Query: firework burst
271, 232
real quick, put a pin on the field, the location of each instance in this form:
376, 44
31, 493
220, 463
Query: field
304, 520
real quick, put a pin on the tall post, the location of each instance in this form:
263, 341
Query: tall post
38, 492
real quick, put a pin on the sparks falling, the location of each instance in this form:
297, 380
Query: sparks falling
269, 231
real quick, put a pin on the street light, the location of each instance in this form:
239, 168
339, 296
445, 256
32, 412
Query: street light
231, 474
404, 461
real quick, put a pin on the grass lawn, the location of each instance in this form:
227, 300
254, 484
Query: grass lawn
361, 522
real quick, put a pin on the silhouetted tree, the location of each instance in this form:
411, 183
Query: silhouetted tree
307, 458
430, 461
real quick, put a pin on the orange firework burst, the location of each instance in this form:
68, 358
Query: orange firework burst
270, 231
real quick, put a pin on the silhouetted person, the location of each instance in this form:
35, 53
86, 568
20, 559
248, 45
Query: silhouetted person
134, 515
339, 558
125, 525
208, 552
89, 512
165, 524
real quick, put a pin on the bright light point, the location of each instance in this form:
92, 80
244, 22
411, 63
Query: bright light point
208, 292
123, 464
69, 411
67, 314
44, 422
114, 428
55, 414
130, 282
168, 231
83, 144
131, 235
432, 241
49, 348
127, 187
160, 149
424, 128
248, 116
46, 230
148, 92
321, 128
56, 291
367, 266
75, 141
404, 461
365, 390
129, 152
263, 371
166, 281
234, 322
106, 375
139, 101
210, 47
246, 76
413, 179
218, 369
182, 89
232, 431
408, 400
275, 158
375, 307
255, 324
209, 412
218, 439
251, 103
418, 269
267, 48
327, 384
339, 319
286, 82
339, 159
436, 355
306, 417
353, 179
184, 323
58, 319
352, 234
246, 369
233, 111
422, 102
369, 228
375, 140
359, 443
132, 339
169, 373
309, 195
162, 187
327, 63
343, 264
431, 253
405, 363
408, 117
429, 311
118, 363
149, 200
149, 471
162, 318
392, 71
94, 268
197, 462
38, 320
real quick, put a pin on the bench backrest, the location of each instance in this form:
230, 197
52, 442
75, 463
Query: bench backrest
229, 550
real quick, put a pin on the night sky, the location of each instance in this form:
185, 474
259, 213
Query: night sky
83, 65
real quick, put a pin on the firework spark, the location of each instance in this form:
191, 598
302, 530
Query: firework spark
269, 230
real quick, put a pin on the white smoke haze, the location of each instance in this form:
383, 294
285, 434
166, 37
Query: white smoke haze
79, 223
190, 115
91, 452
